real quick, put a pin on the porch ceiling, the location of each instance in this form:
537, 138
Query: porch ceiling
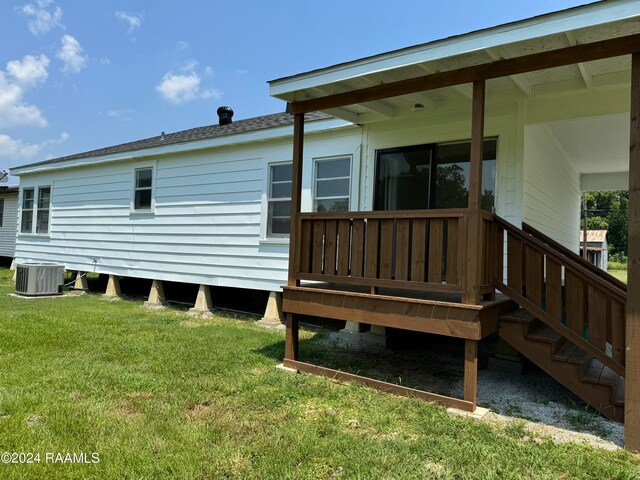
587, 24
595, 145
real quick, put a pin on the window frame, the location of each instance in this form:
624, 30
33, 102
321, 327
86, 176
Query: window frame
268, 234
34, 210
152, 165
315, 179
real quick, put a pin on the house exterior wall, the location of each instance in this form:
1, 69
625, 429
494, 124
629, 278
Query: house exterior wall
9, 224
551, 188
208, 224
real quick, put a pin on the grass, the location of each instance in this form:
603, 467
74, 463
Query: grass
619, 274
163, 395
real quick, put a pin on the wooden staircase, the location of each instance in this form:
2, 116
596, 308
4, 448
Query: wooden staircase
585, 376
571, 320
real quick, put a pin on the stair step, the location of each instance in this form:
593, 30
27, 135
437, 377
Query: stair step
618, 392
571, 353
597, 372
545, 333
517, 316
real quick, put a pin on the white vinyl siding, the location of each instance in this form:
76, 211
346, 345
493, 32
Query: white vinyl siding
551, 188
9, 224
209, 219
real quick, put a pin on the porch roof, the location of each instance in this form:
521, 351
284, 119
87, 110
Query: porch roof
580, 25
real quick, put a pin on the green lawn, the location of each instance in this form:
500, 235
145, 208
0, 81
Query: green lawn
619, 274
164, 395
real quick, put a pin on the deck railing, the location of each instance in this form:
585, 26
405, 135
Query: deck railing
558, 289
409, 249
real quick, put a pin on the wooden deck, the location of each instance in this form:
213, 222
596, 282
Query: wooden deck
430, 312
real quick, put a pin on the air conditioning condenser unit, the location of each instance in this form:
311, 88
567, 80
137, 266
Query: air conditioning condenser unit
37, 279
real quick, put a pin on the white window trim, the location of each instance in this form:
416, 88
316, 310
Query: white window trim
265, 239
152, 164
34, 210
314, 180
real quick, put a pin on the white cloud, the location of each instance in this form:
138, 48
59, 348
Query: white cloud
71, 54
30, 70
208, 71
105, 60
16, 150
20, 75
133, 20
123, 114
212, 93
179, 88
181, 45
42, 19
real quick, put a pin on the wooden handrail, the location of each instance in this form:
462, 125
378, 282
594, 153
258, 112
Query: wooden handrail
381, 214
568, 262
531, 291
574, 256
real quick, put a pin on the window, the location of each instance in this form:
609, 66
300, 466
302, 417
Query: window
279, 199
143, 188
42, 212
432, 176
26, 225
1, 212
332, 185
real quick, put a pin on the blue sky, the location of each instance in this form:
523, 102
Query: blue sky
80, 75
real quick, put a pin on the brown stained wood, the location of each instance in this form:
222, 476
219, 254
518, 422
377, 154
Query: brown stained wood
344, 242
306, 247
501, 68
386, 249
617, 331
533, 275
632, 377
454, 259
574, 302
574, 256
567, 261
553, 292
514, 263
388, 214
402, 249
597, 316
330, 247
291, 337
371, 252
499, 275
436, 232
318, 247
381, 283
418, 249
296, 196
357, 248
473, 261
380, 385
471, 371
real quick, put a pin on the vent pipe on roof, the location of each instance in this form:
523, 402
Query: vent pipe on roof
225, 115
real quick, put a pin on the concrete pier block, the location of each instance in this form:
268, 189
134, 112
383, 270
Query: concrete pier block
156, 298
273, 316
204, 303
113, 289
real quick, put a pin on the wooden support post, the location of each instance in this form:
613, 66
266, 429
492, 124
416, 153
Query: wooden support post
113, 291
471, 293
471, 371
296, 196
156, 295
632, 361
273, 316
291, 342
81, 282
204, 303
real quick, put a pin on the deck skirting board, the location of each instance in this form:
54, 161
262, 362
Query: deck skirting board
380, 385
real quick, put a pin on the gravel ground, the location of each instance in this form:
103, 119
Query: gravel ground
435, 364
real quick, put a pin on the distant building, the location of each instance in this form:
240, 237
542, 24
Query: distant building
597, 247
8, 220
